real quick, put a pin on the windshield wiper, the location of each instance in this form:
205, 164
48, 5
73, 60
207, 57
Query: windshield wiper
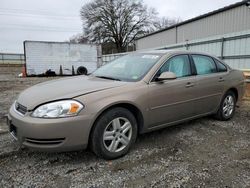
109, 78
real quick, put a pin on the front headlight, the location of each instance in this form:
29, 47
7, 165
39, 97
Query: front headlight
64, 108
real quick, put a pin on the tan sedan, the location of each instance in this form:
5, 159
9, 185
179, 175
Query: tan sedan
134, 94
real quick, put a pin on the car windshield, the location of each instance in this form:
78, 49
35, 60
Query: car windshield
129, 68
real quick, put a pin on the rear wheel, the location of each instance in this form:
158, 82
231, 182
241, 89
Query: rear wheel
227, 107
114, 133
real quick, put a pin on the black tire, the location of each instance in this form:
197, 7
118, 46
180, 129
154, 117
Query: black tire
82, 70
104, 122
222, 115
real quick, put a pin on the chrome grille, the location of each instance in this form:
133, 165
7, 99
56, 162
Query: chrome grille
20, 108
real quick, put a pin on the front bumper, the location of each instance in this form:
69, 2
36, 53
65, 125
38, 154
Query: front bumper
61, 134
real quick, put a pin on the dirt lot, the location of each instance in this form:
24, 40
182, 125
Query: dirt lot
199, 153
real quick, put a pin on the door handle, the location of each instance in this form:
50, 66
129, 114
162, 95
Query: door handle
189, 84
221, 79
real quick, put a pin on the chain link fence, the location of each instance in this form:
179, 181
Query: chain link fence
11, 59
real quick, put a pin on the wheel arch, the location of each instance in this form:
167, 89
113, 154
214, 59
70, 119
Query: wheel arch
129, 106
235, 91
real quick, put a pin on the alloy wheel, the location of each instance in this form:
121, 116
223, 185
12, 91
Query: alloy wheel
228, 106
117, 135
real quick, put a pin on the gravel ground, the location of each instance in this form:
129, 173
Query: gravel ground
199, 153
10, 87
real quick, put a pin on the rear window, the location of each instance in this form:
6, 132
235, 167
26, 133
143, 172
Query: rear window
204, 64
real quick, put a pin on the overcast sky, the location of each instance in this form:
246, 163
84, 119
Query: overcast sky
58, 20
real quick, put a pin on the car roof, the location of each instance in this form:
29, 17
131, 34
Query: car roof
158, 51
170, 52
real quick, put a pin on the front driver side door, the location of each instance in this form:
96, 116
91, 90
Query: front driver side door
171, 100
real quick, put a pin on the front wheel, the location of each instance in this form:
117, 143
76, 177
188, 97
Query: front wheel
114, 133
227, 107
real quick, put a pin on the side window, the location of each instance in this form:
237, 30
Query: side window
204, 64
179, 65
220, 66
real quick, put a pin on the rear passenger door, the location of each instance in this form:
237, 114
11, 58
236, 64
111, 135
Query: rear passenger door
209, 84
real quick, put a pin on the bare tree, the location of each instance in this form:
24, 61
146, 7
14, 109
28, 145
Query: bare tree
79, 38
117, 21
164, 22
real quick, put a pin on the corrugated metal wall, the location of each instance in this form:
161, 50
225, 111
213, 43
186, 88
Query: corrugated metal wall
233, 48
159, 39
228, 21
234, 20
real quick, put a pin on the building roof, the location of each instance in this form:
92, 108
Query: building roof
244, 2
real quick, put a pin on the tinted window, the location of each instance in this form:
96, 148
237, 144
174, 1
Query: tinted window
204, 64
178, 65
220, 66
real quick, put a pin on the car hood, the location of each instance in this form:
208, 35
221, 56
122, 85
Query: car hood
64, 88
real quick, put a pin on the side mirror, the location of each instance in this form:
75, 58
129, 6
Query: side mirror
166, 76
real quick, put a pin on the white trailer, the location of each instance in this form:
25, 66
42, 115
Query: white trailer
60, 57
